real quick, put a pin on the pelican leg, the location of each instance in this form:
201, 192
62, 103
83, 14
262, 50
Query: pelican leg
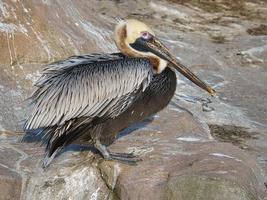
127, 158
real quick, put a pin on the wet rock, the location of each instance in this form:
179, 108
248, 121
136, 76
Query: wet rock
197, 187
178, 159
81, 182
10, 184
232, 134
175, 166
260, 30
224, 42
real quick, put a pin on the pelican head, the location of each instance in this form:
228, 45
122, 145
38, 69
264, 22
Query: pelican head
136, 39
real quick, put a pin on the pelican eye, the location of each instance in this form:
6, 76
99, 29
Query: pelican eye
146, 35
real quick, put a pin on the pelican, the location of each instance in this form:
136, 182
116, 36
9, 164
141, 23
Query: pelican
91, 98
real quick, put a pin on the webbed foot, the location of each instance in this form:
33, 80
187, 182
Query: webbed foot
126, 158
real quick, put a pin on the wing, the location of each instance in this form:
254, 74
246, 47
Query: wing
98, 85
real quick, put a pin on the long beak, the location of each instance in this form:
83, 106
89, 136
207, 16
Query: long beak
156, 47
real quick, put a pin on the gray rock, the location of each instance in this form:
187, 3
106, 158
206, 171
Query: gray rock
224, 43
193, 187
10, 184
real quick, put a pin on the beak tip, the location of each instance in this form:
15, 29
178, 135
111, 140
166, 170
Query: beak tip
212, 92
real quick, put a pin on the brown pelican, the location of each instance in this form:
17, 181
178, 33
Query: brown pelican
91, 98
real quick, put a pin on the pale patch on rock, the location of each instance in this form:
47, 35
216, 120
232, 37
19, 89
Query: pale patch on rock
224, 156
33, 77
140, 150
189, 139
168, 10
10, 28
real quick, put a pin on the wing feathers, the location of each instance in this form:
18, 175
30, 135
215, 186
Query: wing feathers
101, 85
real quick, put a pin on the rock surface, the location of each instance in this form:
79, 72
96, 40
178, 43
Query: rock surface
197, 148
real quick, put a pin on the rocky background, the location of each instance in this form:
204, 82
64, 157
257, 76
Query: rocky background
198, 148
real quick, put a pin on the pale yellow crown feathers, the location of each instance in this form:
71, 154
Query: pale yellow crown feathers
133, 30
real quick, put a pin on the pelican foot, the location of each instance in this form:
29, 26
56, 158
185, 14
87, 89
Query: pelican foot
126, 158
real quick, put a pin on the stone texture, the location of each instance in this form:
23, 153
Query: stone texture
82, 182
10, 184
224, 42
170, 157
197, 187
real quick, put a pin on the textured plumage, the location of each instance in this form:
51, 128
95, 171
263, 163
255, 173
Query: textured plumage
91, 98
75, 95
99, 85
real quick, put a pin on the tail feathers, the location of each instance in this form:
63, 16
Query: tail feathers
55, 143
57, 137
48, 158
63, 136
